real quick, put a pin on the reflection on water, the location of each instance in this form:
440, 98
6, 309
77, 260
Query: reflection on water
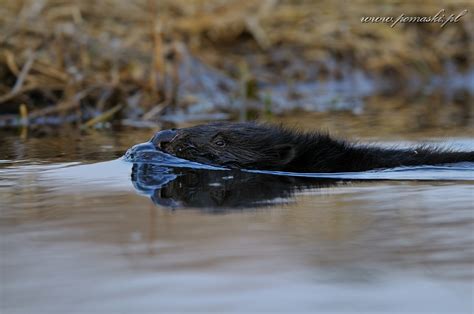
217, 190
78, 235
184, 187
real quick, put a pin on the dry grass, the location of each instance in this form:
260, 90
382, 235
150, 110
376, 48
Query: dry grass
85, 58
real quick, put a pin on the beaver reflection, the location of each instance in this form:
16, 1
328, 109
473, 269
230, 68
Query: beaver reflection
217, 191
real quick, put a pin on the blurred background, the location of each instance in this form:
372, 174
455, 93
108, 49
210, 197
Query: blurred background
149, 64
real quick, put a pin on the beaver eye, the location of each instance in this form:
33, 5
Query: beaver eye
220, 143
218, 140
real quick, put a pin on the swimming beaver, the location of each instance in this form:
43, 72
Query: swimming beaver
252, 145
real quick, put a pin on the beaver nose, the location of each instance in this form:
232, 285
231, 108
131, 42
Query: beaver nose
163, 138
131, 154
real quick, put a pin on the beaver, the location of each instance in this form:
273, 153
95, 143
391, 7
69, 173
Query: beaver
252, 145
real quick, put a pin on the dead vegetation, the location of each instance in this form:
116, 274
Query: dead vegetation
134, 61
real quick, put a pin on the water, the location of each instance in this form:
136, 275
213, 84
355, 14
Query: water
84, 231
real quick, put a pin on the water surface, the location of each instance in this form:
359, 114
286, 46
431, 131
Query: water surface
84, 231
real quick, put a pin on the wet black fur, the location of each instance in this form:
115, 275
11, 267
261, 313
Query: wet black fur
268, 147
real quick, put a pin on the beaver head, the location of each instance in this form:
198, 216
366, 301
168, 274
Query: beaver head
234, 145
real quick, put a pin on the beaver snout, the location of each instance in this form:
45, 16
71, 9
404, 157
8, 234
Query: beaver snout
163, 138
142, 147
138, 149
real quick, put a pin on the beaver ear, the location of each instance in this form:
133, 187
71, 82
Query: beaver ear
286, 152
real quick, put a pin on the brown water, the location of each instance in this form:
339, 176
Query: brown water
78, 237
